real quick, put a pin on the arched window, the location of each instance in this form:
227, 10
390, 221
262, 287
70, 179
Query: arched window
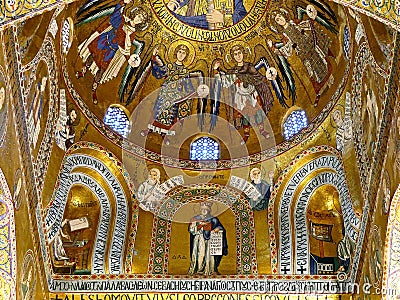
294, 123
117, 119
204, 148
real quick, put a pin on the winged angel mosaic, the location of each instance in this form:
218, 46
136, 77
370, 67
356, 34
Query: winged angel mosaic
283, 60
248, 77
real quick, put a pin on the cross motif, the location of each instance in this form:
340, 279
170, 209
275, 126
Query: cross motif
285, 270
301, 270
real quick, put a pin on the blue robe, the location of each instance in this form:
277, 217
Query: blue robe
215, 223
264, 189
201, 22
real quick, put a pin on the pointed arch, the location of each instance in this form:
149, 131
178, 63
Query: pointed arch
78, 168
289, 210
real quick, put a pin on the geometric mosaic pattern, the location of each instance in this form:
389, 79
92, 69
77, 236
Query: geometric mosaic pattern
245, 234
8, 258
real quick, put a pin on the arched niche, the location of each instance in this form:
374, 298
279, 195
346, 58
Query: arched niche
233, 203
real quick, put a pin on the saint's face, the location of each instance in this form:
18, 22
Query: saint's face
138, 19
256, 174
238, 55
204, 211
72, 115
280, 20
153, 176
181, 55
337, 117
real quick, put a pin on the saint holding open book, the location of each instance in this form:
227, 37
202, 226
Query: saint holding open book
207, 242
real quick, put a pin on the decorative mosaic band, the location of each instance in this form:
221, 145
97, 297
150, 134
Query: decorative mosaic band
385, 11
244, 220
392, 251
354, 220
8, 250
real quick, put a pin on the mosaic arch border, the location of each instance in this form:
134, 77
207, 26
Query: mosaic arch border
364, 58
131, 236
256, 283
324, 149
7, 227
371, 9
47, 55
28, 9
246, 263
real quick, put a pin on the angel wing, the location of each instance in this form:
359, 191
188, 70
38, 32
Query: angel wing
276, 81
281, 63
326, 9
197, 77
215, 97
134, 77
219, 93
322, 8
286, 71
320, 18
93, 10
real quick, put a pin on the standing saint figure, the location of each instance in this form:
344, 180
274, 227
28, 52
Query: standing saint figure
263, 187
109, 48
201, 228
252, 95
174, 100
308, 42
146, 189
65, 131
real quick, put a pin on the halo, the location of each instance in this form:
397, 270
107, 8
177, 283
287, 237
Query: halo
337, 107
191, 55
78, 113
247, 54
146, 171
146, 10
277, 7
197, 204
262, 171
